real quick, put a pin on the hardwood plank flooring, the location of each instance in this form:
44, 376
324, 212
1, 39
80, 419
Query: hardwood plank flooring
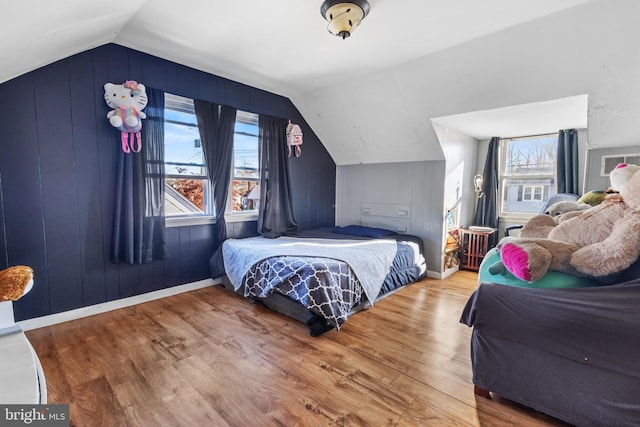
211, 358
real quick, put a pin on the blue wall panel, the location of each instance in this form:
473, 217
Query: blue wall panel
87, 181
21, 190
58, 178
58, 189
4, 262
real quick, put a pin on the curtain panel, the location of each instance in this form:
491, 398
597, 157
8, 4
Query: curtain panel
275, 217
567, 161
139, 234
216, 125
487, 207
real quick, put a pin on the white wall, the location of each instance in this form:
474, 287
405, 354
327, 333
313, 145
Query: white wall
418, 184
590, 49
461, 153
385, 117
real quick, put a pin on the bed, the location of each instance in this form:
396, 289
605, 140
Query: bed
568, 347
322, 276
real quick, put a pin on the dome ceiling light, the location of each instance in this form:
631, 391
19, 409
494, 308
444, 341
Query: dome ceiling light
344, 16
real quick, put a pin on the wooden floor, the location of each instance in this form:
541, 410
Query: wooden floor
211, 358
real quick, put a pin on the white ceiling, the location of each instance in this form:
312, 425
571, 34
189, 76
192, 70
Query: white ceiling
281, 45
521, 120
370, 98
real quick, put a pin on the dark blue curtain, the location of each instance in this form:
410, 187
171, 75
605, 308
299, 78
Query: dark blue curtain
487, 207
216, 125
139, 227
275, 217
567, 161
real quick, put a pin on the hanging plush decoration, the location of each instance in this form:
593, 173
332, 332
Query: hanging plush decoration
294, 138
127, 100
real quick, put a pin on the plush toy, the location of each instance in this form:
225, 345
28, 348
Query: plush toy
565, 206
127, 100
596, 242
593, 198
15, 282
541, 225
620, 176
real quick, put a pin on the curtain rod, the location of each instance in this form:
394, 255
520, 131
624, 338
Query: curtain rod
530, 136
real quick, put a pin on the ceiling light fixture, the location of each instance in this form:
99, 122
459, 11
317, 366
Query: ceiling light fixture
344, 16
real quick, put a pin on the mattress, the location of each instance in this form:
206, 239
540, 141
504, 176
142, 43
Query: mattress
327, 287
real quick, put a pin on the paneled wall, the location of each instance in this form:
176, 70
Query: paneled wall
416, 184
57, 178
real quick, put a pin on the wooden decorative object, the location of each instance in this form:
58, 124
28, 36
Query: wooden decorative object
474, 244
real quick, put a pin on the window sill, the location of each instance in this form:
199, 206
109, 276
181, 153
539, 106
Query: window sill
241, 217
517, 217
186, 221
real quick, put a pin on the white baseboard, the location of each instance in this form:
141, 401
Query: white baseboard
52, 319
440, 276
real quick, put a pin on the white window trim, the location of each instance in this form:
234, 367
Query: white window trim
208, 218
502, 177
242, 216
185, 221
533, 193
195, 218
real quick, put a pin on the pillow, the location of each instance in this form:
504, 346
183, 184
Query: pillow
360, 230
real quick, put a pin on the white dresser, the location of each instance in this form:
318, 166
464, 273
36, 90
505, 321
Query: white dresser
21, 377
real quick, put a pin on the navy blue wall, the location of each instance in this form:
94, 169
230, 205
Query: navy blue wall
57, 178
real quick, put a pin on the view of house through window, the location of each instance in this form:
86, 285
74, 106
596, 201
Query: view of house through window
527, 173
186, 183
245, 179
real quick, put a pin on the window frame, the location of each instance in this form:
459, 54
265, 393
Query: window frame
208, 216
503, 178
247, 117
532, 193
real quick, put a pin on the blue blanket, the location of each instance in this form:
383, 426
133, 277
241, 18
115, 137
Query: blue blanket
371, 260
326, 287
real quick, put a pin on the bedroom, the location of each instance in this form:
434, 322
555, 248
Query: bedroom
56, 170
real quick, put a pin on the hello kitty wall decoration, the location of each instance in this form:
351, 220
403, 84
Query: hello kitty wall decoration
127, 100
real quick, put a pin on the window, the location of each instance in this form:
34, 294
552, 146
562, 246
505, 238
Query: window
245, 172
186, 181
187, 187
532, 193
527, 173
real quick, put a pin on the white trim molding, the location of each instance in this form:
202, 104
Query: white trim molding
41, 322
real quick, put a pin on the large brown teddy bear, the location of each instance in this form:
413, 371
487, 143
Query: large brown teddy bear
597, 242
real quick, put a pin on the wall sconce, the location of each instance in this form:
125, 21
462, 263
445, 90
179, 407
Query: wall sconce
477, 184
344, 16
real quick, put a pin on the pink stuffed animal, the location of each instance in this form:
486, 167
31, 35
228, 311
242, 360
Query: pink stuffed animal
597, 242
127, 100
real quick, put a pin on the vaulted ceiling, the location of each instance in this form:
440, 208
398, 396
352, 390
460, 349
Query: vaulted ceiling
281, 45
342, 87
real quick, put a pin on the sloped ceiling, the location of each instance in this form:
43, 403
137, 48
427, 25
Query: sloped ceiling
369, 98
